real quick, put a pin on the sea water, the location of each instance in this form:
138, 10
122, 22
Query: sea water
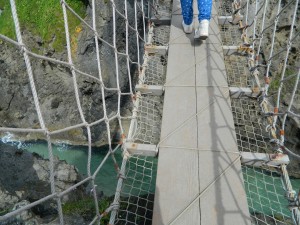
265, 197
106, 179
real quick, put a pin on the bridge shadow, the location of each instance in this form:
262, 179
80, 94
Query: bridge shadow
223, 155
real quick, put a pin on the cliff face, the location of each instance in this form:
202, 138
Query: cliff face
25, 178
54, 82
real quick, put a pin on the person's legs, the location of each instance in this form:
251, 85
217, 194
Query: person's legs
187, 11
187, 14
204, 7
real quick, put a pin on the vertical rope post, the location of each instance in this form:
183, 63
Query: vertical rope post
37, 105
285, 61
261, 33
267, 85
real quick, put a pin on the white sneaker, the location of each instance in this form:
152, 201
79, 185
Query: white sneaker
202, 31
187, 28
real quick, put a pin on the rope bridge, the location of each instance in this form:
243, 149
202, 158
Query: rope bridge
259, 113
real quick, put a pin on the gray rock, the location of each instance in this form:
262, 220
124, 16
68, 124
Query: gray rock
25, 176
25, 215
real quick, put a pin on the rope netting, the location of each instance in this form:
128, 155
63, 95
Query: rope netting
120, 58
265, 59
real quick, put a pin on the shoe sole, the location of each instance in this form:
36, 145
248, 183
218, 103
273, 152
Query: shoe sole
201, 38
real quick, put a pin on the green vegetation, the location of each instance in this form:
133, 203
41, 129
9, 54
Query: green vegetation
288, 83
3, 212
43, 18
86, 208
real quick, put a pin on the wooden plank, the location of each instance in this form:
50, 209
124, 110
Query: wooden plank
176, 185
211, 58
216, 129
224, 202
179, 126
182, 73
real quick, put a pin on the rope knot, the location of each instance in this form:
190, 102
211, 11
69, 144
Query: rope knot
96, 33
115, 205
292, 196
23, 48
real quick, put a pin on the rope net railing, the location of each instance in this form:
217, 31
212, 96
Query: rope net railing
265, 60
116, 47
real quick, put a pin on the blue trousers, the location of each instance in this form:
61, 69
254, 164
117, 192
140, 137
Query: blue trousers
204, 8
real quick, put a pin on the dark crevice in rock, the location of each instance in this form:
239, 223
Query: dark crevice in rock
12, 97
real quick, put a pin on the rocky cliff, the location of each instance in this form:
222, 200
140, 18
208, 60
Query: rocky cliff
55, 85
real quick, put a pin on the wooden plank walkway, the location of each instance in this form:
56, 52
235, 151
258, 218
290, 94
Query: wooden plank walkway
199, 178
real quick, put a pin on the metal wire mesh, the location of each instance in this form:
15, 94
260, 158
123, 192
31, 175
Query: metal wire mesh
250, 126
161, 35
225, 8
137, 199
230, 35
238, 74
264, 188
156, 70
161, 9
266, 196
149, 120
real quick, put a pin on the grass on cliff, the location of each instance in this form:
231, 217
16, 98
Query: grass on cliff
288, 84
86, 208
43, 18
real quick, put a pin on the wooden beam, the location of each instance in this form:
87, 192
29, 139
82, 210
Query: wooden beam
223, 20
238, 92
260, 159
141, 149
242, 49
153, 49
164, 20
150, 89
237, 18
228, 50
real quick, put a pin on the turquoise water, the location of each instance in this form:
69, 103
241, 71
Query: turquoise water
106, 179
264, 190
141, 175
265, 193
